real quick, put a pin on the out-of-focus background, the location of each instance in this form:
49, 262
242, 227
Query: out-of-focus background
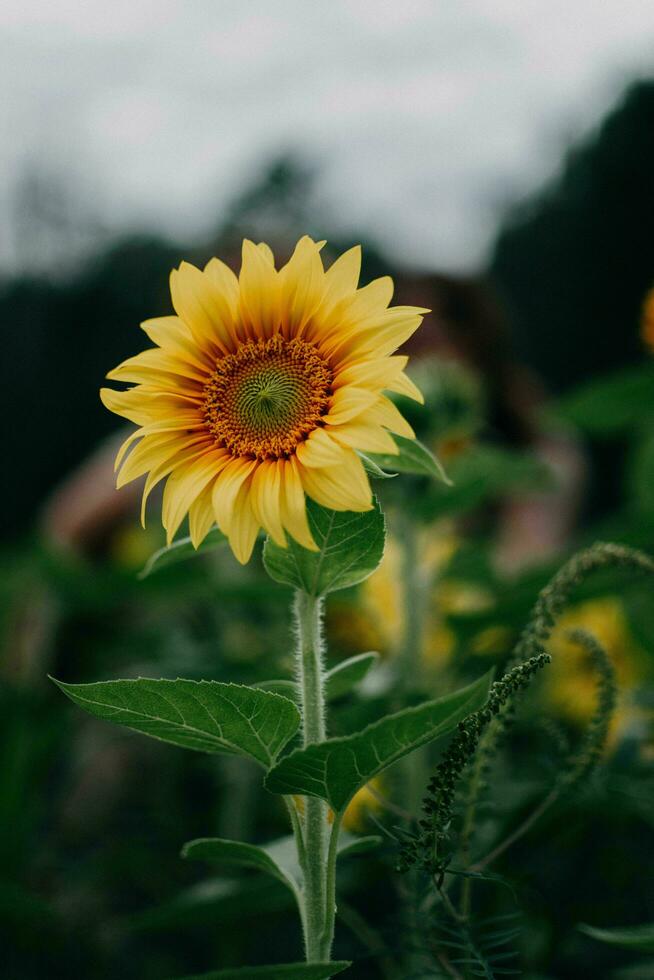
496, 159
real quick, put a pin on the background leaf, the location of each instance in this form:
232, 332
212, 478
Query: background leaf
413, 457
285, 971
351, 547
344, 676
181, 550
277, 859
374, 470
611, 403
483, 473
639, 938
204, 715
334, 770
338, 681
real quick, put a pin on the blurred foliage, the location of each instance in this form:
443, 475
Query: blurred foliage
94, 818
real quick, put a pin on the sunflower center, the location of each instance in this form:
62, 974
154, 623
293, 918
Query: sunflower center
266, 398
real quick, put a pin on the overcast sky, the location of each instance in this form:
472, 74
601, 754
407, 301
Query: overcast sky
425, 117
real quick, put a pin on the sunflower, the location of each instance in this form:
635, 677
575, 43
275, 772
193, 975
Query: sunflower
264, 388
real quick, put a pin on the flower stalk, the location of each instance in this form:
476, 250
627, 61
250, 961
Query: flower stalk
319, 857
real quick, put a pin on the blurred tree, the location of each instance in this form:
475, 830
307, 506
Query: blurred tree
574, 262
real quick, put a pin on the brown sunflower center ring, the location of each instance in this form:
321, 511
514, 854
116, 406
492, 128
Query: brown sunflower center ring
266, 398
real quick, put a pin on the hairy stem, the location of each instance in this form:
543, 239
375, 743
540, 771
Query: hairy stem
318, 919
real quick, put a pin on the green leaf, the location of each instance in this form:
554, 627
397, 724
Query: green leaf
287, 689
639, 938
344, 676
181, 550
285, 971
484, 473
374, 470
277, 859
351, 546
641, 476
607, 405
413, 457
338, 681
204, 715
335, 769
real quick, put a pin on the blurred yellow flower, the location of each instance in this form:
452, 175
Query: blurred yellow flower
647, 319
362, 804
383, 595
570, 682
261, 389
464, 597
493, 641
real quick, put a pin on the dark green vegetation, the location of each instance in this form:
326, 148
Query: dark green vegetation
93, 817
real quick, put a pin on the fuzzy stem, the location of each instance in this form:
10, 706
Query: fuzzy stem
308, 620
330, 890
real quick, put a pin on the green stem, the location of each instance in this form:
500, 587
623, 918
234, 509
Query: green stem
318, 913
330, 890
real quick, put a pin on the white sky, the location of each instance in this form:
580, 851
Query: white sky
426, 117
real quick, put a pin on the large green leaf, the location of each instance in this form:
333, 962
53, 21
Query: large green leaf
181, 550
638, 938
277, 859
351, 546
413, 457
285, 971
334, 770
204, 715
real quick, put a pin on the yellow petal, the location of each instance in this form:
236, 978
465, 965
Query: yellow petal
157, 473
293, 505
171, 334
319, 451
124, 404
267, 251
370, 300
385, 413
202, 307
200, 517
347, 489
367, 437
348, 402
226, 282
226, 489
378, 336
153, 451
244, 526
374, 373
185, 484
403, 385
341, 279
302, 285
155, 363
265, 494
259, 292
183, 420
